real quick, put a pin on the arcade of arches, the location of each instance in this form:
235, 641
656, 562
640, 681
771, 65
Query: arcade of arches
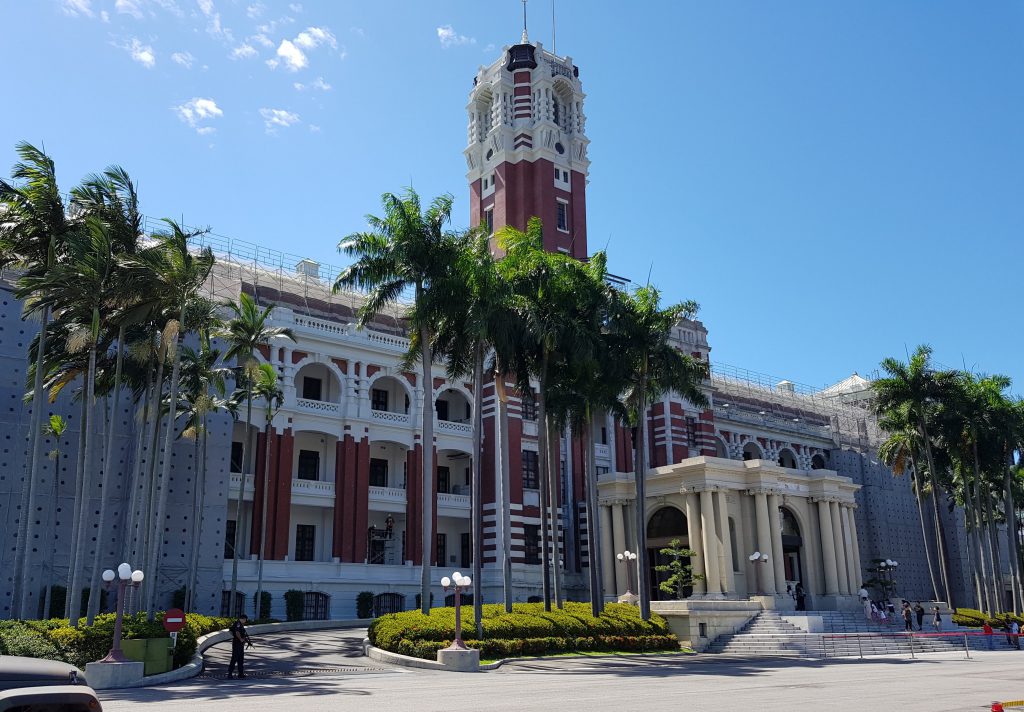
726, 510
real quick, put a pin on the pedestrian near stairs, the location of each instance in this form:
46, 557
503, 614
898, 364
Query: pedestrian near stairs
989, 635
1015, 634
937, 619
919, 612
908, 618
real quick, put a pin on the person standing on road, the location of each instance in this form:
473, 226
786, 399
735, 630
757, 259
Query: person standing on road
919, 611
239, 639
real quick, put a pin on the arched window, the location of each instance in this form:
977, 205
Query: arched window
818, 462
667, 523
787, 459
752, 452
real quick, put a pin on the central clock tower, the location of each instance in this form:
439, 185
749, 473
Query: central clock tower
527, 146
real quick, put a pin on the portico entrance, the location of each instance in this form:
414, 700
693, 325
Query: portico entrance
665, 524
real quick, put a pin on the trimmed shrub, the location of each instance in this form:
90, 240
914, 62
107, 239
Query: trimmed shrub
528, 630
364, 604
265, 601
294, 605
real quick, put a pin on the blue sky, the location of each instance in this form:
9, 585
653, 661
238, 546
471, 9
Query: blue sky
833, 181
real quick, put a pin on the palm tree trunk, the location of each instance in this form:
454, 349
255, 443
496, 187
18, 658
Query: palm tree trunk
542, 475
153, 456
1011, 539
165, 476
268, 431
76, 504
995, 564
241, 494
476, 489
74, 591
428, 465
105, 505
977, 527
197, 522
137, 480
973, 553
504, 503
642, 580
944, 574
22, 560
924, 534
593, 556
554, 478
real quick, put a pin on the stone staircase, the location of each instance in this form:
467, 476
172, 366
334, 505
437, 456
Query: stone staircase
845, 634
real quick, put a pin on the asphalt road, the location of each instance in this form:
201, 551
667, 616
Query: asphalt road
324, 671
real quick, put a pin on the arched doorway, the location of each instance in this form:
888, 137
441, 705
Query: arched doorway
666, 524
752, 451
792, 548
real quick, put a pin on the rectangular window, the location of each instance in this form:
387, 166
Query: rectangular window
529, 469
236, 457
529, 409
604, 436
305, 542
312, 388
489, 220
532, 535
229, 539
309, 465
467, 550
444, 479
442, 550
691, 432
378, 472
601, 470
563, 217
379, 399
442, 410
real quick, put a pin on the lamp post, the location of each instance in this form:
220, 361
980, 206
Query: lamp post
457, 583
888, 570
628, 557
126, 578
757, 557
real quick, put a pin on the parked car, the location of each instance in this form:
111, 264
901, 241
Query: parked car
35, 685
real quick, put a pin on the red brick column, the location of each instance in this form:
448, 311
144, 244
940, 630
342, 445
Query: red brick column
280, 499
257, 499
361, 498
413, 494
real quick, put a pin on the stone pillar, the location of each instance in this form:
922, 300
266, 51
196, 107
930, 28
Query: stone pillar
725, 541
852, 566
696, 542
607, 551
619, 537
837, 534
775, 522
859, 578
764, 579
609, 425
707, 524
828, 548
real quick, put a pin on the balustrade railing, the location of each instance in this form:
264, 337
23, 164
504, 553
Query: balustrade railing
313, 487
318, 406
453, 427
387, 416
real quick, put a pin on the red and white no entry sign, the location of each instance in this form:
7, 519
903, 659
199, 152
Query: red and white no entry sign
174, 620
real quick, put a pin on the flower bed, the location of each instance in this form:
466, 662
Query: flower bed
55, 640
528, 630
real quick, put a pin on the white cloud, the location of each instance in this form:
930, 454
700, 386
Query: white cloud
295, 7
262, 39
215, 29
293, 57
170, 6
449, 37
245, 51
314, 128
272, 63
255, 10
128, 7
185, 59
197, 112
143, 54
278, 118
77, 7
206, 6
313, 37
104, 15
319, 83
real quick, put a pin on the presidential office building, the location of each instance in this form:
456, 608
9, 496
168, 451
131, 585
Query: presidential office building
770, 466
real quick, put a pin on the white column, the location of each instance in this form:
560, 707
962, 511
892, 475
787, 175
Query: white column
707, 525
619, 537
828, 548
837, 535
764, 574
775, 521
725, 543
696, 541
859, 578
607, 551
852, 566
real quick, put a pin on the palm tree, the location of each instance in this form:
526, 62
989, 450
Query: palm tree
408, 248
643, 329
916, 387
266, 388
34, 225
177, 274
247, 330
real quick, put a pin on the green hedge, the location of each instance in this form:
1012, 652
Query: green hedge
528, 630
56, 640
973, 618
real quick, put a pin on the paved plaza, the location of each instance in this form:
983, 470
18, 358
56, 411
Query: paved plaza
325, 670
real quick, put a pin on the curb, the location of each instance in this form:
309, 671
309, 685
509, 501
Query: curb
195, 666
386, 656
498, 663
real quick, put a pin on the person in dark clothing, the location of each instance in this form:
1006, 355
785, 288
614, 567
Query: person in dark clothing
239, 639
919, 612
801, 598
908, 618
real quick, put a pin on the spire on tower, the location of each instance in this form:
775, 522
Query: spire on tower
526, 39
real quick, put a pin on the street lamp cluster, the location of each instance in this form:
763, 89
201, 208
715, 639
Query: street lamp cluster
627, 557
126, 577
887, 569
758, 558
457, 583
